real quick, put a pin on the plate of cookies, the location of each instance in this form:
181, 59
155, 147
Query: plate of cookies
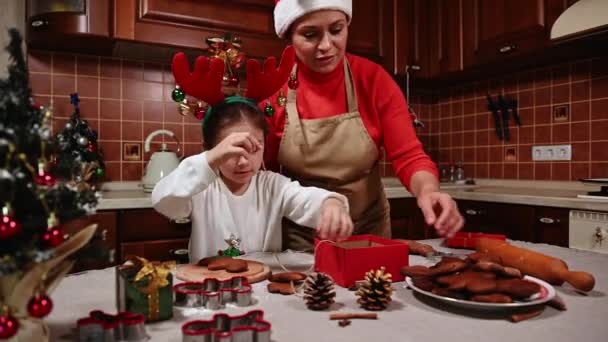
477, 282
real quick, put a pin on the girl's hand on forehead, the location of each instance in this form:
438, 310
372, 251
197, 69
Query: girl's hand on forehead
235, 144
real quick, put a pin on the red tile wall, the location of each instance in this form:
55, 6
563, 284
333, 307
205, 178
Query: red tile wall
460, 128
123, 100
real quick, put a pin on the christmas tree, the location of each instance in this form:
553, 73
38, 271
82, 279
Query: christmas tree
33, 202
79, 158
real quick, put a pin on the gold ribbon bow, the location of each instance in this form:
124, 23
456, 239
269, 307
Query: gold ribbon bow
158, 278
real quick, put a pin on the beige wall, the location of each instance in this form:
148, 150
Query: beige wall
12, 14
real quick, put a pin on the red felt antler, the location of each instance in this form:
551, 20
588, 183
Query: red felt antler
205, 83
263, 84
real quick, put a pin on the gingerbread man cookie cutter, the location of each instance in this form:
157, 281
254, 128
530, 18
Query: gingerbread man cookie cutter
249, 327
102, 327
212, 293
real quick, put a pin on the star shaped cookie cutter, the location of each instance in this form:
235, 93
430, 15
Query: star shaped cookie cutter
103, 327
213, 293
249, 327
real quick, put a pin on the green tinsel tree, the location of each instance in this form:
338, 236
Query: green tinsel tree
34, 202
78, 157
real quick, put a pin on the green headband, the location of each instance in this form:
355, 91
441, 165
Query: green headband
230, 99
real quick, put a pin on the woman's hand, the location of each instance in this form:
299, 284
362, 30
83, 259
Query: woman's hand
335, 223
235, 144
441, 212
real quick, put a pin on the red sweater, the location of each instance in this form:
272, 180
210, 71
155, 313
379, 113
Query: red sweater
381, 104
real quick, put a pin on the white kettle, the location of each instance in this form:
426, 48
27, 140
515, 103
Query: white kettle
161, 162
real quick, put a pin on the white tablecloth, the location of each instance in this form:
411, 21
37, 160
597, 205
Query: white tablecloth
410, 317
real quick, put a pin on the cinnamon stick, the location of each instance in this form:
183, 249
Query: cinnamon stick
353, 315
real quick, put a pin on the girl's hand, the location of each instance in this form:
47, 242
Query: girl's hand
234, 145
335, 223
434, 204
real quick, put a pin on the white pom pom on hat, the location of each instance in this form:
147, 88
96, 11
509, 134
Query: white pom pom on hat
288, 11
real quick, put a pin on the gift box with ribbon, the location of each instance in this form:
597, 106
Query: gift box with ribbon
145, 288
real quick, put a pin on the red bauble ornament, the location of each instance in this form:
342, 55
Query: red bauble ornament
91, 147
200, 114
40, 305
45, 178
53, 236
293, 83
8, 227
233, 81
8, 326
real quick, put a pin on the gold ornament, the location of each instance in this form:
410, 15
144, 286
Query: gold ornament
227, 48
281, 100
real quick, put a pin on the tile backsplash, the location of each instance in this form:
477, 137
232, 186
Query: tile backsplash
459, 127
125, 100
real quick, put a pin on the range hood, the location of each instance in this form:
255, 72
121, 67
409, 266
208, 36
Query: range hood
582, 18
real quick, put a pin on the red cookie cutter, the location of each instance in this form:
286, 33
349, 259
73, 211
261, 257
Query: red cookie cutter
250, 326
100, 326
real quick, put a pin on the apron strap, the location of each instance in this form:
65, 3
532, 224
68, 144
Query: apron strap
292, 110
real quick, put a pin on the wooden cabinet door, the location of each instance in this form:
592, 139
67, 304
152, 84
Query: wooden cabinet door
411, 39
495, 29
148, 224
513, 220
80, 26
407, 221
158, 250
445, 37
106, 228
551, 226
186, 23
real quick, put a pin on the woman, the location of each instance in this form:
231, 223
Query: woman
338, 111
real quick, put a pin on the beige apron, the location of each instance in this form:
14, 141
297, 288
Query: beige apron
336, 154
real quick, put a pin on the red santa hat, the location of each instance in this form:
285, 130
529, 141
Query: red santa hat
288, 11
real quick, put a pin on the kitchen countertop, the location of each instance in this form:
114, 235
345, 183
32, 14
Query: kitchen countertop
409, 317
129, 195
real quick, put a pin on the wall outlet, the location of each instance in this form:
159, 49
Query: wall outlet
553, 152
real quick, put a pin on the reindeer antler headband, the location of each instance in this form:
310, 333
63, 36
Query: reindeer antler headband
205, 82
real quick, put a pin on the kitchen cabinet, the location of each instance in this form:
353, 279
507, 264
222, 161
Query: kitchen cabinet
407, 221
76, 25
446, 29
186, 24
518, 222
513, 220
107, 232
146, 233
496, 30
551, 226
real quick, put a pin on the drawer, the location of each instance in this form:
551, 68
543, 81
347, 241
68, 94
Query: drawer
147, 224
551, 226
159, 250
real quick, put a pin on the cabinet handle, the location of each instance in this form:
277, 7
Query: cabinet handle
506, 48
39, 23
182, 220
473, 212
548, 220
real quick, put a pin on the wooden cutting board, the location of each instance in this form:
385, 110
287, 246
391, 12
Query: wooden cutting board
256, 272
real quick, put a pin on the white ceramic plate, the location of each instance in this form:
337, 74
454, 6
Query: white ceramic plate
547, 292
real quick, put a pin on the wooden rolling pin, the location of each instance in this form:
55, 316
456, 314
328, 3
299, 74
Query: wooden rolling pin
552, 270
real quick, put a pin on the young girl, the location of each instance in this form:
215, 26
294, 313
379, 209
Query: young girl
225, 193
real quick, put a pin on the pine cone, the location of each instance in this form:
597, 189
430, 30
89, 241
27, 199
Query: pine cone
375, 293
319, 291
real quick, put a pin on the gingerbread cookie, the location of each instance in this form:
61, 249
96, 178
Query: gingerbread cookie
448, 265
286, 277
492, 298
517, 288
474, 282
220, 263
489, 266
282, 288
